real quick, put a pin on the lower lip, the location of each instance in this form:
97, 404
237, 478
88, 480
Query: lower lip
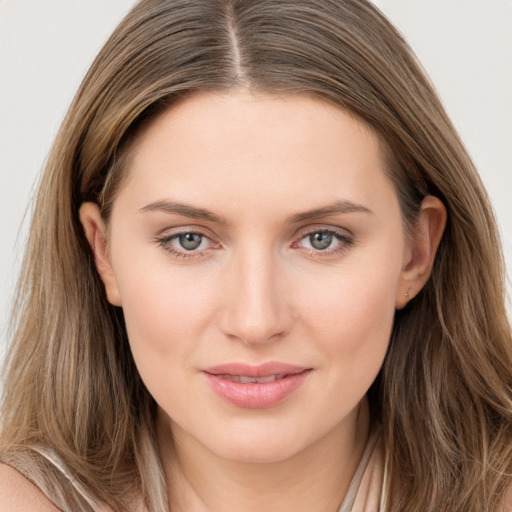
256, 395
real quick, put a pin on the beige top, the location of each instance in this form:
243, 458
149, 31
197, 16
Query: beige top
60, 465
363, 495
366, 492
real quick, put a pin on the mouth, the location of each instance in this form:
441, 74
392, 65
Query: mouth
256, 387
243, 379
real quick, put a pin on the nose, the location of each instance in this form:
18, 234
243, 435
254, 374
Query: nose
256, 307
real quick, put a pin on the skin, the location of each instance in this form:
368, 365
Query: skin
19, 493
258, 290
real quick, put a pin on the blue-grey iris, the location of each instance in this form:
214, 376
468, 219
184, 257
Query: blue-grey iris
190, 241
320, 241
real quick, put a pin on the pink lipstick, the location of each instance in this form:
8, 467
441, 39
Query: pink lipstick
255, 387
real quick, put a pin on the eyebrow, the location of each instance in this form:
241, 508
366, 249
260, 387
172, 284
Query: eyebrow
187, 210
342, 206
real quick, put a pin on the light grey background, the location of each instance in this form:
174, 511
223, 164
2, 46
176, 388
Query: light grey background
47, 45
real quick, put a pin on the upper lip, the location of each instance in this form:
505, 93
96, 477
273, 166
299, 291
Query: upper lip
262, 370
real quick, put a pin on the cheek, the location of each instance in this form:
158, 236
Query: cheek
165, 309
350, 312
166, 317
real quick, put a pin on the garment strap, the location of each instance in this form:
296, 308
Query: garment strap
355, 484
57, 461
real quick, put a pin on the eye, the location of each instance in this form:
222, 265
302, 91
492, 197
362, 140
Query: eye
186, 244
328, 241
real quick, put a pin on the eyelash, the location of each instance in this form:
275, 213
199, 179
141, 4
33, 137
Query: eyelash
165, 243
345, 241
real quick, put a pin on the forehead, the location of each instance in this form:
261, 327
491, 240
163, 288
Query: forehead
247, 148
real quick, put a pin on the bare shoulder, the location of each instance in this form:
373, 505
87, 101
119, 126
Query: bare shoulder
506, 504
18, 493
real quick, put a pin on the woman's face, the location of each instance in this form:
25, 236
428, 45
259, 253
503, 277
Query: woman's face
258, 253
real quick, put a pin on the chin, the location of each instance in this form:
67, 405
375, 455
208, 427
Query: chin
257, 454
261, 446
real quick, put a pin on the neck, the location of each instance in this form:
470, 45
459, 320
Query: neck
315, 479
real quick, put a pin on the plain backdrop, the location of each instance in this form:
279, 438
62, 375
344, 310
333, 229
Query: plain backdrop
47, 45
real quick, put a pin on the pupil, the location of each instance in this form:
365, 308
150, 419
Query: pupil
320, 240
190, 241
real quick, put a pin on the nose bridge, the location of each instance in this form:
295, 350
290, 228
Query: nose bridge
255, 308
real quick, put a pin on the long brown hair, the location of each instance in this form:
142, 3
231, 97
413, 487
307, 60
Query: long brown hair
444, 395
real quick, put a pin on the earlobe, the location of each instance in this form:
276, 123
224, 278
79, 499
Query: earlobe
94, 229
422, 249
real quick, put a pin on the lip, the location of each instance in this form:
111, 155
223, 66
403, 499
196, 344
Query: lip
282, 380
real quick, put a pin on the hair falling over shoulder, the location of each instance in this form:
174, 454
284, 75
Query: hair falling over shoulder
443, 398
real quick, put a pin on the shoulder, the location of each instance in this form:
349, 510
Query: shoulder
18, 493
506, 504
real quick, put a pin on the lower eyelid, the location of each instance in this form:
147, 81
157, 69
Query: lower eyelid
177, 253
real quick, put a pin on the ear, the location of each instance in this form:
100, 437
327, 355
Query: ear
421, 250
95, 230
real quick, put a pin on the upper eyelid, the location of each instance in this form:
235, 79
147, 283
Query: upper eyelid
170, 232
341, 237
172, 236
307, 230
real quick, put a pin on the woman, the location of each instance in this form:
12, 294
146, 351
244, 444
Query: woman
262, 274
